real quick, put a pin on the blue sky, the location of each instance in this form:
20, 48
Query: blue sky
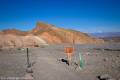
83, 15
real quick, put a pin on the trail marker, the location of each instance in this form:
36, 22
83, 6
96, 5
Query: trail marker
69, 52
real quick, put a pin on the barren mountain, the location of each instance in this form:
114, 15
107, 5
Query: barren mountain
52, 34
44, 34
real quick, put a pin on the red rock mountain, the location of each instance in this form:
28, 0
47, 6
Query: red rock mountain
44, 34
52, 34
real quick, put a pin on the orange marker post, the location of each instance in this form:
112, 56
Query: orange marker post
69, 52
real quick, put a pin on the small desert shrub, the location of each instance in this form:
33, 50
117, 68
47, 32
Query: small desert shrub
0, 47
36, 45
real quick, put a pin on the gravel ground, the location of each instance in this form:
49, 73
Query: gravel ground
98, 60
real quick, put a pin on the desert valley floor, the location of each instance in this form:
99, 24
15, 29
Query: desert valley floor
46, 65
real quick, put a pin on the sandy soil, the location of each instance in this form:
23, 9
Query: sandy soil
98, 60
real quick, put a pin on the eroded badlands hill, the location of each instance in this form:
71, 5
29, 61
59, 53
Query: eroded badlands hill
44, 34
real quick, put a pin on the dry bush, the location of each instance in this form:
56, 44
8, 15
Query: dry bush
0, 47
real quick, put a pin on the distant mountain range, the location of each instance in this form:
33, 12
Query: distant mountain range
105, 34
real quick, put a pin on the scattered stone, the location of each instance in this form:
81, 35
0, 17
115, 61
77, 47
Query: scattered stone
116, 62
28, 76
105, 77
118, 55
112, 66
88, 53
105, 59
29, 70
21, 49
103, 50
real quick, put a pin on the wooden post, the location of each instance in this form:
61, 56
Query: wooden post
29, 66
28, 62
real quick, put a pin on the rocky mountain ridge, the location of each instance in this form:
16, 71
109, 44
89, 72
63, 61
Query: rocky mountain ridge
44, 34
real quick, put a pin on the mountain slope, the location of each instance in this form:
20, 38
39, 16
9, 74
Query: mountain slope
44, 34
52, 34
